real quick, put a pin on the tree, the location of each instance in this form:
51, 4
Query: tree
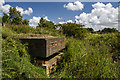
73, 29
11, 13
109, 30
41, 20
90, 30
5, 18
17, 20
48, 24
45, 23
25, 22
15, 16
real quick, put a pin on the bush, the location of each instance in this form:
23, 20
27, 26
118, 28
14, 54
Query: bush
15, 59
73, 29
90, 58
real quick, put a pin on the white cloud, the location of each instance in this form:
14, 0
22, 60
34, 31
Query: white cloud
101, 16
59, 18
2, 2
35, 20
5, 8
46, 18
74, 6
98, 5
62, 22
69, 21
28, 12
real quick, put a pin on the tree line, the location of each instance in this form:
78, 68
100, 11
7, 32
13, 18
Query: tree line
69, 29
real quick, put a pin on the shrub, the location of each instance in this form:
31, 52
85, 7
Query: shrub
15, 59
90, 58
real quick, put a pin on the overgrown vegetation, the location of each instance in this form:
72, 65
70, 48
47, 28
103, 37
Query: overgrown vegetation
107, 30
88, 53
14, 17
93, 57
15, 59
73, 29
45, 23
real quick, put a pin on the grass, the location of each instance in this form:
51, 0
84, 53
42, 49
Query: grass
16, 60
24, 29
95, 56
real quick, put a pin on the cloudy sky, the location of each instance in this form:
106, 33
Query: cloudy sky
96, 15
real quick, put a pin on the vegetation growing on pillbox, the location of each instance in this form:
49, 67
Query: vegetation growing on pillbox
88, 53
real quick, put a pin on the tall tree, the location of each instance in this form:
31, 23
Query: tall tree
5, 18
11, 13
15, 16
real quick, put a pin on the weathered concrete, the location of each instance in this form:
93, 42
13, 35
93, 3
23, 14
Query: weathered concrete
43, 47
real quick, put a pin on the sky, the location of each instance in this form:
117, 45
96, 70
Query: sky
96, 15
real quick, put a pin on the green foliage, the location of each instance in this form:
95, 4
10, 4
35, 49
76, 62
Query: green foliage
44, 23
94, 56
21, 29
25, 29
42, 20
15, 16
17, 20
48, 24
25, 22
90, 30
73, 29
5, 18
90, 58
109, 30
15, 59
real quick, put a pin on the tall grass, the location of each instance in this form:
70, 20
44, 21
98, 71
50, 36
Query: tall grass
25, 29
16, 60
93, 57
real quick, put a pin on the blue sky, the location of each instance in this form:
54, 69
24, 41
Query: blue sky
61, 0
96, 15
53, 10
